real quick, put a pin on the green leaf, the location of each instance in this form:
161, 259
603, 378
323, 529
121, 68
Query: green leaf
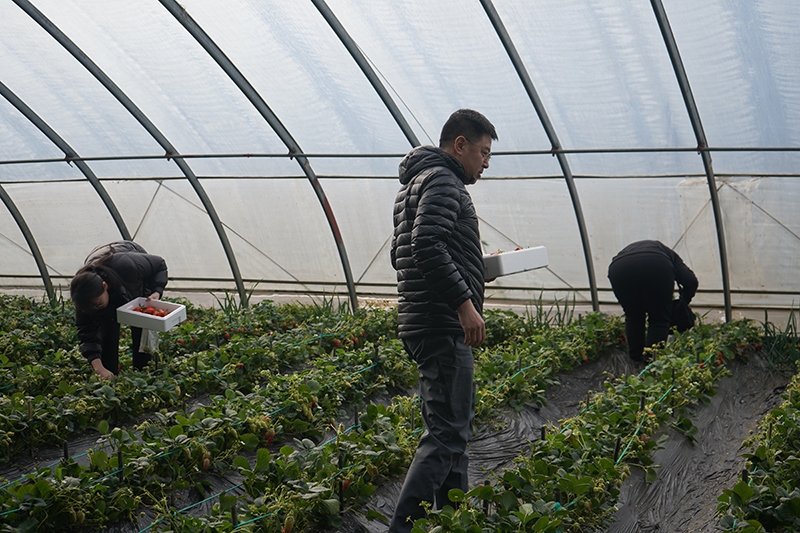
375, 515
650, 475
44, 488
456, 495
263, 457
542, 524
175, 431
102, 427
99, 460
330, 507
486, 492
226, 502
241, 462
287, 450
744, 491
508, 501
250, 442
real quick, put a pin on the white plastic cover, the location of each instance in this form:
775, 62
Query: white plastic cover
600, 68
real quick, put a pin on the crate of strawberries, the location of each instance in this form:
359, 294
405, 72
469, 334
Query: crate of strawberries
155, 315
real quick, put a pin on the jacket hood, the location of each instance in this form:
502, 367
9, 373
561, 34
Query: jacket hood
424, 157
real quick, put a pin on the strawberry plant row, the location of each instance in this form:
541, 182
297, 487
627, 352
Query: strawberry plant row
273, 509
34, 370
570, 479
58, 401
262, 407
27, 422
767, 497
206, 439
71, 403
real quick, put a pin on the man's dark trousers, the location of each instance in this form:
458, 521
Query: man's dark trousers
447, 391
644, 285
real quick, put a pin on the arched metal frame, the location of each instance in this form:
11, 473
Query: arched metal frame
180, 14
128, 104
361, 61
522, 72
26, 232
697, 126
70, 154
249, 91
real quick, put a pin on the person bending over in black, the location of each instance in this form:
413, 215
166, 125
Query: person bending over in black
643, 276
113, 275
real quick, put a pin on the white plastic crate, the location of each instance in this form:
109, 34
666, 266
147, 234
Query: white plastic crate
176, 315
505, 263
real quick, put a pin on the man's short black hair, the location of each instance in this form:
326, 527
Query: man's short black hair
466, 122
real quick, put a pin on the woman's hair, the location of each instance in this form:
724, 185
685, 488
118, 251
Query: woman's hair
87, 284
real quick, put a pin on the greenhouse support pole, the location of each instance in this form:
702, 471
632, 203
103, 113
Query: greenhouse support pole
369, 72
183, 17
522, 72
70, 155
137, 113
26, 232
702, 144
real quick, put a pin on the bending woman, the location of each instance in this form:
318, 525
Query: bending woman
113, 275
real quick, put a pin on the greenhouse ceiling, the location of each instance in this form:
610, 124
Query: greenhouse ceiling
255, 144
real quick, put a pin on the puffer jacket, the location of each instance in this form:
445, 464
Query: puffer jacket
141, 274
436, 246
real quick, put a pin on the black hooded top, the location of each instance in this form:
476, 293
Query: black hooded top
436, 247
141, 275
686, 279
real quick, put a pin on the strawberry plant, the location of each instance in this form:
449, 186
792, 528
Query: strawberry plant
570, 479
767, 497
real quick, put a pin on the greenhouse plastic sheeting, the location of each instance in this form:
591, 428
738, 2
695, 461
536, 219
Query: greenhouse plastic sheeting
256, 143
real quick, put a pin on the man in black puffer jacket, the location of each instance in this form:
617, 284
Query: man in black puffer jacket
436, 251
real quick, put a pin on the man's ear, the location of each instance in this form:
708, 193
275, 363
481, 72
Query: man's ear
459, 144
105, 286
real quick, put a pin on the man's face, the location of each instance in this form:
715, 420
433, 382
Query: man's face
474, 154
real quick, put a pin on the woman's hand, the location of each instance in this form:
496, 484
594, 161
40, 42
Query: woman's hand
154, 296
100, 370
